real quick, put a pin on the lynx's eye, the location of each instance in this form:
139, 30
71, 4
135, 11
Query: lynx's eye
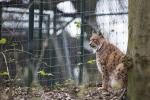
94, 40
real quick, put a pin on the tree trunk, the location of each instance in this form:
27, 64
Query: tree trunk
139, 49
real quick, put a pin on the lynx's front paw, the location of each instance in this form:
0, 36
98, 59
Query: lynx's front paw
104, 91
102, 88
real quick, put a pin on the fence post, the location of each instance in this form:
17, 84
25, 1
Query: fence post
0, 20
48, 34
82, 6
31, 25
40, 24
30, 42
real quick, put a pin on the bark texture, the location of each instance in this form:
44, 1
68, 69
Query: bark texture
139, 49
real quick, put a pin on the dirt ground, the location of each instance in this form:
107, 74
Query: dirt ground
11, 91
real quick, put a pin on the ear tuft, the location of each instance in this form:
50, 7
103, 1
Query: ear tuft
100, 34
93, 33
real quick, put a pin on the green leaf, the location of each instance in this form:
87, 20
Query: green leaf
79, 64
43, 73
3, 73
50, 74
14, 44
91, 61
3, 41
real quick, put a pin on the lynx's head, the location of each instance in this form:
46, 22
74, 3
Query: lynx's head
96, 40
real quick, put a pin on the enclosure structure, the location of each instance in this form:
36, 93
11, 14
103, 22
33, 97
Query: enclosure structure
47, 40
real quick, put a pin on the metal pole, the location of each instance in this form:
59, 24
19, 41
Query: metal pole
0, 21
40, 24
49, 47
82, 6
54, 21
48, 34
30, 43
68, 63
31, 25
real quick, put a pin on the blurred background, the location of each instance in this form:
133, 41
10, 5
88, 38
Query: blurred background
48, 40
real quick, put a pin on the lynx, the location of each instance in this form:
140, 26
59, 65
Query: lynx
110, 63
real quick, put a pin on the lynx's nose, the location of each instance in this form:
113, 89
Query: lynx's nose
90, 43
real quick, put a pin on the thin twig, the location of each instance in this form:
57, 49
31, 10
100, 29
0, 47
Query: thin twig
6, 64
40, 60
17, 50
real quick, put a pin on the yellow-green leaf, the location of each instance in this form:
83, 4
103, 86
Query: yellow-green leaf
3, 41
50, 74
14, 44
43, 73
91, 62
79, 64
3, 73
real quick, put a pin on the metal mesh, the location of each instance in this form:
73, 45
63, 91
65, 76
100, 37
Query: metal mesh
54, 43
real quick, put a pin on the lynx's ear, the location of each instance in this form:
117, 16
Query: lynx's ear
94, 33
100, 34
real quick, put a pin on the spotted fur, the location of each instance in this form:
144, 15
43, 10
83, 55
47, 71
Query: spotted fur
109, 61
